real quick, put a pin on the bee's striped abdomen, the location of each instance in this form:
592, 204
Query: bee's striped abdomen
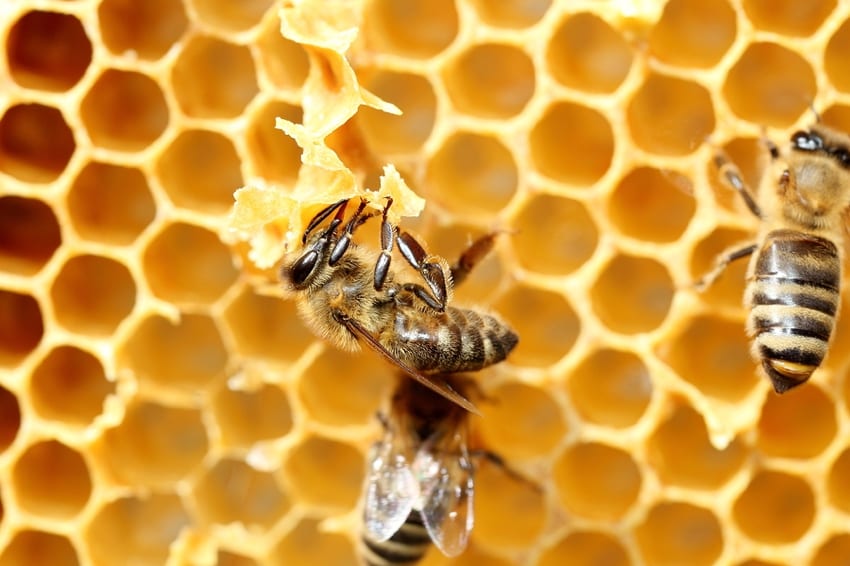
407, 546
793, 300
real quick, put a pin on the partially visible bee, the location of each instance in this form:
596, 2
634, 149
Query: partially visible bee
346, 300
794, 278
420, 480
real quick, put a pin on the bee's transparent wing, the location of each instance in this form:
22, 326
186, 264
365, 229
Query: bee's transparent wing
391, 491
447, 492
434, 384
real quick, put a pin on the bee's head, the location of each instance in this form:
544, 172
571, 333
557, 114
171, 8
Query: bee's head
819, 175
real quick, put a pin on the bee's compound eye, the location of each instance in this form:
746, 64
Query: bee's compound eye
842, 156
806, 141
303, 267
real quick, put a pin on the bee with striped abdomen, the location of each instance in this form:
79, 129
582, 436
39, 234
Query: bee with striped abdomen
349, 295
794, 278
419, 485
420, 481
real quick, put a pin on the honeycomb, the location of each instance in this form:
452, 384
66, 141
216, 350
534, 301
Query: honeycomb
150, 368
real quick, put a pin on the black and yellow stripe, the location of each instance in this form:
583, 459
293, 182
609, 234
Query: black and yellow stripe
793, 301
406, 547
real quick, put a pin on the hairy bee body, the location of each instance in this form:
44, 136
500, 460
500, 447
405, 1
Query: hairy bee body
794, 282
348, 295
793, 299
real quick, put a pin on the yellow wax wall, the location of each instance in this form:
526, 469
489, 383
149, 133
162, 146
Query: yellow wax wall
160, 404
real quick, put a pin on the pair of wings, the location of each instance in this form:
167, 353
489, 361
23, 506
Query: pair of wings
439, 484
436, 385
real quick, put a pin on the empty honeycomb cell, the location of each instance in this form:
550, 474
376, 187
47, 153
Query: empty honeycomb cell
597, 481
587, 54
611, 388
521, 421
266, 327
21, 327
69, 386
93, 294
342, 388
580, 158
233, 492
679, 533
837, 485
388, 134
10, 420
835, 61
124, 111
418, 28
214, 78
200, 170
35, 143
547, 324
770, 85
184, 355
29, 234
233, 559
308, 543
837, 116
775, 508
670, 116
511, 13
833, 552
39, 547
797, 426
110, 203
585, 548
694, 33
633, 294
275, 157
490, 80
474, 555
650, 205
229, 17
473, 174
500, 500
145, 29
554, 235
136, 529
788, 17
285, 62
728, 289
325, 473
246, 417
712, 353
47, 51
188, 264
155, 445
35, 473
681, 452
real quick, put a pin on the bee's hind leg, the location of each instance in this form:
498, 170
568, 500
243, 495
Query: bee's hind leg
721, 264
476, 251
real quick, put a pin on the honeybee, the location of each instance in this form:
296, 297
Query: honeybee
419, 486
794, 278
344, 299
